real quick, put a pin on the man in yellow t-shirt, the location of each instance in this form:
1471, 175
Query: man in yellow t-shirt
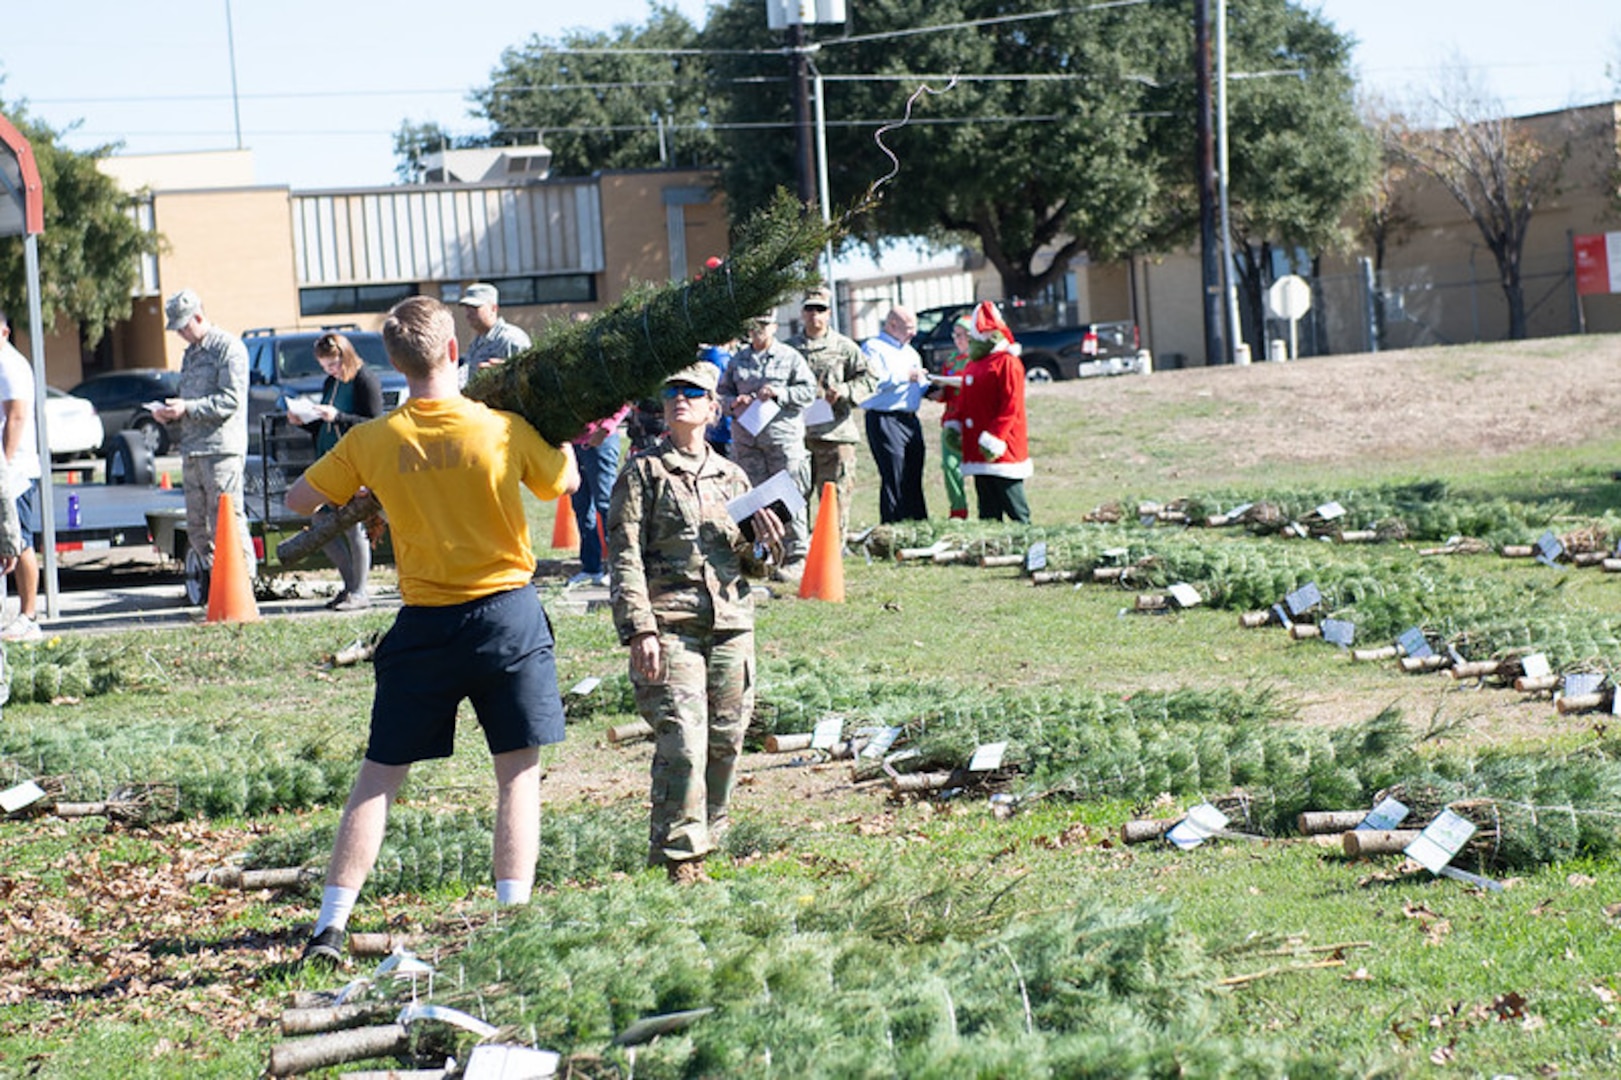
448, 472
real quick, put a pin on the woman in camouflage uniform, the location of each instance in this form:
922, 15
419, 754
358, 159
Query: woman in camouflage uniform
683, 606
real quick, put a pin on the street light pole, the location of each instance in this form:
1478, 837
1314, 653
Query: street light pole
1210, 258
230, 47
1235, 328
824, 189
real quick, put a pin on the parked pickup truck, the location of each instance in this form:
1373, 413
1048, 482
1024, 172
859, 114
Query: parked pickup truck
1060, 352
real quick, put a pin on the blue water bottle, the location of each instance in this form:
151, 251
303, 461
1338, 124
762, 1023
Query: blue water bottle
73, 511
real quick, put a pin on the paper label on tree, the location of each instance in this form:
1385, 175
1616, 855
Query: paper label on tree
880, 743
1535, 666
503, 1061
825, 736
1549, 548
1036, 557
1440, 841
1387, 815
1578, 683
1329, 511
1115, 554
1413, 643
1241, 508
987, 757
24, 794
1303, 599
1339, 632
585, 686
1202, 822
1185, 595
1282, 616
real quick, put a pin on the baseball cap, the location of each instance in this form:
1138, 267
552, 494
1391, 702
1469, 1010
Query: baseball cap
179, 308
478, 294
702, 374
817, 298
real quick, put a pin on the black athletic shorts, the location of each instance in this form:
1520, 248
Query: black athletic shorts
496, 652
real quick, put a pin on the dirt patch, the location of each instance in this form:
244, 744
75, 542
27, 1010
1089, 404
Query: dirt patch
1478, 401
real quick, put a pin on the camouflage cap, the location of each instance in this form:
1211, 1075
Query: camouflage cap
702, 374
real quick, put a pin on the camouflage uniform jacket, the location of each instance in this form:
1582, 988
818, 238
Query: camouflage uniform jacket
674, 551
503, 341
214, 386
785, 371
840, 366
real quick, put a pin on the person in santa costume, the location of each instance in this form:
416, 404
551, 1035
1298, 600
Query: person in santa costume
990, 408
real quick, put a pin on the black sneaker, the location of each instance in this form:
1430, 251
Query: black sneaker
325, 948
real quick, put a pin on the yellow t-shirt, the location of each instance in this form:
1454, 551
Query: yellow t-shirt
447, 472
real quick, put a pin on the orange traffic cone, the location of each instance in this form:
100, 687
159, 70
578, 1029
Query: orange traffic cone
824, 565
165, 484
565, 530
230, 593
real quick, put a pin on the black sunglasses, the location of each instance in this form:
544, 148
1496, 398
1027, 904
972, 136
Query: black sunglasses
673, 392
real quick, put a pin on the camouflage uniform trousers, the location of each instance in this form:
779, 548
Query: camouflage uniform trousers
207, 476
699, 715
761, 460
834, 462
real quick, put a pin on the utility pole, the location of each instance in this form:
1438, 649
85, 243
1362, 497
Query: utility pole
1209, 248
804, 147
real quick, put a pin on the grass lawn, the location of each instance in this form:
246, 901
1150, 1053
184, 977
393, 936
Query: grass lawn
847, 933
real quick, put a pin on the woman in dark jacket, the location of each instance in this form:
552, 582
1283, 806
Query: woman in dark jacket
350, 395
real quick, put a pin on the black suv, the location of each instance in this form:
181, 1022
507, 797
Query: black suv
282, 366
1055, 352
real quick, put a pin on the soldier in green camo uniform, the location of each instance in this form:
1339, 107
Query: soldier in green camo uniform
843, 377
683, 606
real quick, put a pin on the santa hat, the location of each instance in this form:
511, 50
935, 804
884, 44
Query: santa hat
987, 324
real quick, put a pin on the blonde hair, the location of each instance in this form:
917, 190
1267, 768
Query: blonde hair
349, 362
417, 334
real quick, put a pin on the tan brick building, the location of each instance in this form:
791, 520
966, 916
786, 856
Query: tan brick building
273, 257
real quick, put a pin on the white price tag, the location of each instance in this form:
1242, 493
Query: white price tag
1440, 841
1185, 595
880, 743
1536, 666
24, 794
1202, 822
1387, 815
987, 757
826, 734
584, 686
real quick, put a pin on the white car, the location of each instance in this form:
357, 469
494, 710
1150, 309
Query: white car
71, 426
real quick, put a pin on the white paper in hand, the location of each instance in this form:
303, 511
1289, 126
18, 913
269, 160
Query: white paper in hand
818, 412
760, 413
302, 409
779, 488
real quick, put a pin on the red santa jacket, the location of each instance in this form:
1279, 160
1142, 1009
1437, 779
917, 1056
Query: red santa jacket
991, 409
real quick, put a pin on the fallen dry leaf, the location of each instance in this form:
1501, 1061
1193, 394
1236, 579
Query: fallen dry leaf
1443, 1055
1509, 1006
1580, 881
1359, 975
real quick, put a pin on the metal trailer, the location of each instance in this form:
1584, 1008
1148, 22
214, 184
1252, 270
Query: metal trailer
286, 451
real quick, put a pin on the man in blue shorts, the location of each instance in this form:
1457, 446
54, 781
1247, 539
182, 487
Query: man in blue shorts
448, 472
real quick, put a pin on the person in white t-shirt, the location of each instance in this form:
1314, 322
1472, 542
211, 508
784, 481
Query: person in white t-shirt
22, 480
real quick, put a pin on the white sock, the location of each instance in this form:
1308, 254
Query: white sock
336, 904
509, 891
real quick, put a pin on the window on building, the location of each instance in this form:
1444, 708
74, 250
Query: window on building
350, 299
551, 289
